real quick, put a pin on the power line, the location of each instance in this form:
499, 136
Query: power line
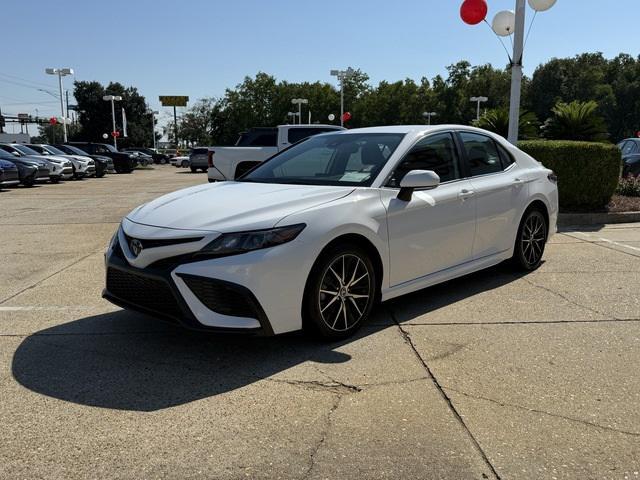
42, 84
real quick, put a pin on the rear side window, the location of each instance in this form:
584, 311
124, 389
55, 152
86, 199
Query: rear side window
482, 154
435, 152
296, 134
505, 157
267, 137
199, 151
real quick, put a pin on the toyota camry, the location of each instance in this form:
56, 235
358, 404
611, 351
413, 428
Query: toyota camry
315, 236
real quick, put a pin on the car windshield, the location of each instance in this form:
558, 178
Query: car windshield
27, 151
54, 150
73, 150
353, 159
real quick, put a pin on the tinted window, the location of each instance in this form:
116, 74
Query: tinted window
266, 137
505, 157
339, 159
482, 154
435, 152
199, 151
629, 148
296, 134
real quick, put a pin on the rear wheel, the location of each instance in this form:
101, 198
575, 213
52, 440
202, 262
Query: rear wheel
340, 292
185, 163
531, 240
29, 182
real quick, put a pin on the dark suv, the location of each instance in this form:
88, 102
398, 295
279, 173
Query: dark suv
122, 162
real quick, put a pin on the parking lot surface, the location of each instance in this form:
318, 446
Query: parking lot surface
495, 375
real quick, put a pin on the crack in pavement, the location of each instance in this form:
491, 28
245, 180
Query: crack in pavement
332, 386
323, 436
75, 262
407, 339
601, 243
543, 412
566, 298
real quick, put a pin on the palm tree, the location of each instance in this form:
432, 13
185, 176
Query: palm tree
575, 121
497, 121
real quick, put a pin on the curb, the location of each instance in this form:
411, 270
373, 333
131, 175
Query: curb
569, 219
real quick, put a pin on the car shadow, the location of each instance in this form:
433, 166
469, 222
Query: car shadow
129, 361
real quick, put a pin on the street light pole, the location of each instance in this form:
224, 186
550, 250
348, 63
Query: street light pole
299, 102
478, 100
341, 75
153, 126
112, 99
61, 72
516, 73
428, 116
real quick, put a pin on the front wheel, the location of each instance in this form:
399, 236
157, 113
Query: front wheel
531, 240
194, 170
340, 292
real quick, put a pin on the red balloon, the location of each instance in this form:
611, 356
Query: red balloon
638, 133
473, 11
346, 116
53, 120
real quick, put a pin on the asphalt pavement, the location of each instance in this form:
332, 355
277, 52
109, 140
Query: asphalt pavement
495, 375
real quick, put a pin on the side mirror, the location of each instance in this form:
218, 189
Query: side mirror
417, 179
15, 154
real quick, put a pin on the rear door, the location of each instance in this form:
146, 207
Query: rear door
501, 192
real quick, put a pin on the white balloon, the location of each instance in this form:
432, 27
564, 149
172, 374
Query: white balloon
504, 23
541, 5
105, 136
331, 117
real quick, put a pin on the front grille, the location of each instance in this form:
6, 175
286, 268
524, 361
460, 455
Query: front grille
146, 243
221, 297
148, 293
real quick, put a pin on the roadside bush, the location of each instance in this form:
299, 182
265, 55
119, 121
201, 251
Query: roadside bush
588, 172
629, 187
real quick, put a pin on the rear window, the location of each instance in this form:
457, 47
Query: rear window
264, 137
199, 151
297, 134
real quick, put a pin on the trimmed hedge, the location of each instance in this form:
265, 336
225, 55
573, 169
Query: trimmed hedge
588, 172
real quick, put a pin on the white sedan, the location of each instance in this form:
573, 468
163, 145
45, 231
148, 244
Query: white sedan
318, 234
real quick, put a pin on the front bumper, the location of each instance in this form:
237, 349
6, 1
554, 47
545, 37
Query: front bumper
192, 301
42, 175
10, 178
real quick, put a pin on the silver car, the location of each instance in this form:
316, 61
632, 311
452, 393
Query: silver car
199, 159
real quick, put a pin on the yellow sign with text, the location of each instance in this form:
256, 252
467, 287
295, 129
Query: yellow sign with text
173, 100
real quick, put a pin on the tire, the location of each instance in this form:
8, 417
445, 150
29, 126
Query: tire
54, 180
339, 315
184, 164
194, 170
29, 182
530, 241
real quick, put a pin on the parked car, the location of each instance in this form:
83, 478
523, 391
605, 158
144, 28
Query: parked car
315, 235
199, 159
159, 158
142, 158
630, 149
103, 164
180, 161
123, 162
255, 146
29, 169
10, 175
83, 166
57, 168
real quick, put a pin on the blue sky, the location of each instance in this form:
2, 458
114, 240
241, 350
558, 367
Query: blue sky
199, 48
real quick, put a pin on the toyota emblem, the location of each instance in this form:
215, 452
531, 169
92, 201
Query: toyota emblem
136, 247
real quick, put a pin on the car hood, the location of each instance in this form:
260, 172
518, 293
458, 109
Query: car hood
49, 158
38, 160
233, 206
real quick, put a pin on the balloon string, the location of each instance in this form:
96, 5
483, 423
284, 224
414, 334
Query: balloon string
501, 42
529, 31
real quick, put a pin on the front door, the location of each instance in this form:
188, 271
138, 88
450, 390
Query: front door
435, 229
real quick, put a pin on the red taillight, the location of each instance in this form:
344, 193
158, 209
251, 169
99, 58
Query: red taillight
210, 157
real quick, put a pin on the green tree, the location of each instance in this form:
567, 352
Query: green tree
497, 120
575, 121
95, 113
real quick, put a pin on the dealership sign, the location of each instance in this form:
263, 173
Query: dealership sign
173, 100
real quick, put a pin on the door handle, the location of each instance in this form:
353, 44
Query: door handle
464, 194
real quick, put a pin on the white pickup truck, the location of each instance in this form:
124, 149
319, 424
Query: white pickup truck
255, 146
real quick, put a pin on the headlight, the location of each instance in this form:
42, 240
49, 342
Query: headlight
241, 242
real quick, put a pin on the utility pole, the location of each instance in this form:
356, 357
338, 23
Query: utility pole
153, 126
175, 125
299, 102
516, 73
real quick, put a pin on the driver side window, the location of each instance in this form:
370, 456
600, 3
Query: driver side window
435, 152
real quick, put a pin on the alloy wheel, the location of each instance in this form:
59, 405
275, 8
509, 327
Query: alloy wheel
346, 289
533, 238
